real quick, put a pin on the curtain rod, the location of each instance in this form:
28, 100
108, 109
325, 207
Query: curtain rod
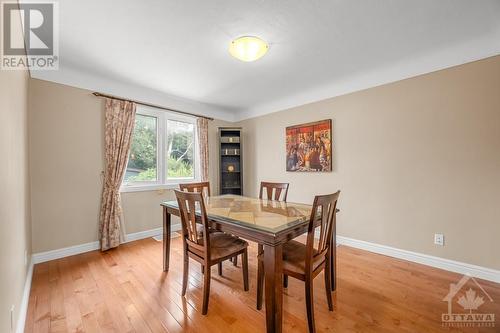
150, 105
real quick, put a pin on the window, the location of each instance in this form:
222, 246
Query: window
164, 151
142, 162
180, 150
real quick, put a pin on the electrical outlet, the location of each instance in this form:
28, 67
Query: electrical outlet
439, 239
12, 308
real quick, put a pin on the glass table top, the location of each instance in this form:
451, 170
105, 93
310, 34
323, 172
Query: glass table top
260, 214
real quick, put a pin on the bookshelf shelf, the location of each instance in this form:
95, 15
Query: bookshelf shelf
230, 157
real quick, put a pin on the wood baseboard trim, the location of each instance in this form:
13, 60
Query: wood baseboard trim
143, 234
40, 257
425, 259
23, 308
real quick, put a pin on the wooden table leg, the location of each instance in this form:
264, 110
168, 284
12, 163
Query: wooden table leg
333, 257
273, 268
166, 239
333, 266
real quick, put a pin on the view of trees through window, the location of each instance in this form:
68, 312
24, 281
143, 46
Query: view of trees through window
180, 149
144, 152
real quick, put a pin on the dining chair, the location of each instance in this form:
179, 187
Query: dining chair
276, 192
211, 248
203, 187
305, 261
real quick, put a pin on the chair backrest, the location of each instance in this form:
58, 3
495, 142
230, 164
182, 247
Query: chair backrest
324, 211
188, 203
202, 187
277, 188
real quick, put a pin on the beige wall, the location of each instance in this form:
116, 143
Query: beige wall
15, 231
66, 157
412, 158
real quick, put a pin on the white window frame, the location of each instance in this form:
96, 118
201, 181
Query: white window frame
162, 182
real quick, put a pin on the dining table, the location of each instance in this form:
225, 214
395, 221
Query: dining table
267, 222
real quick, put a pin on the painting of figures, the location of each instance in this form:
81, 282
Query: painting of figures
309, 147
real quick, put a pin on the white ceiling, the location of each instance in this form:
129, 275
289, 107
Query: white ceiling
175, 52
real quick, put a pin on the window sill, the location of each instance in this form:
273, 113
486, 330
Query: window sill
152, 187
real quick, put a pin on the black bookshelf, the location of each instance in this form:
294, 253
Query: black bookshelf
231, 163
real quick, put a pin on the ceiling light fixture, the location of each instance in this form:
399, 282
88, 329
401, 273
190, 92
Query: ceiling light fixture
248, 48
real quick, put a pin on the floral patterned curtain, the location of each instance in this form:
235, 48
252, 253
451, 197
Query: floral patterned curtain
119, 126
202, 126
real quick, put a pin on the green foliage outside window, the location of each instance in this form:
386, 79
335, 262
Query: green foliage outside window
142, 164
180, 150
143, 151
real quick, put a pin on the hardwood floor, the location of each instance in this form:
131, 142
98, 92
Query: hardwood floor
125, 290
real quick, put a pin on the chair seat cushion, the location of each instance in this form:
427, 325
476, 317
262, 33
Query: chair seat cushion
221, 245
294, 257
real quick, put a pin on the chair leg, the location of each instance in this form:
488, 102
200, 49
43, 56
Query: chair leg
206, 291
328, 284
235, 260
310, 304
285, 281
219, 268
185, 274
244, 260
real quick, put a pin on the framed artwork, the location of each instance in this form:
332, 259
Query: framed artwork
309, 147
